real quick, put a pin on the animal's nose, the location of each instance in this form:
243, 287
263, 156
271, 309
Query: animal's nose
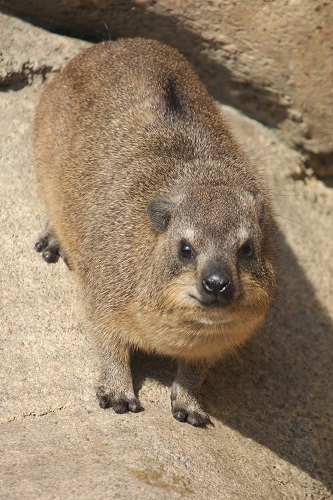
218, 284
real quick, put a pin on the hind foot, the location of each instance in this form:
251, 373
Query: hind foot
50, 247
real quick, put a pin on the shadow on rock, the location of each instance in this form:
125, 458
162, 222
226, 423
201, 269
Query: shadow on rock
278, 389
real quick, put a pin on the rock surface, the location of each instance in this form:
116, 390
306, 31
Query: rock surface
271, 405
271, 59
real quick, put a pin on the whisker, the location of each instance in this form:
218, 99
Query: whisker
294, 221
281, 195
265, 147
246, 133
279, 297
268, 154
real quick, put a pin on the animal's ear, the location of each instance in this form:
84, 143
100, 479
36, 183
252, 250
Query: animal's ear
159, 213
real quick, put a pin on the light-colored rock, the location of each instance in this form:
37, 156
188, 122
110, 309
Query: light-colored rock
271, 59
271, 405
27, 52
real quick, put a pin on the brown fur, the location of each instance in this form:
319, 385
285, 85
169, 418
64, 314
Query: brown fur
125, 128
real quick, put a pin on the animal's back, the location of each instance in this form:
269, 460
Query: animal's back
113, 130
101, 132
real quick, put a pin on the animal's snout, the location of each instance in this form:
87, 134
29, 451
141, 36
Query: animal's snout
218, 284
217, 288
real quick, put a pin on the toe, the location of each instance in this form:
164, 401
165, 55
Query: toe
120, 406
134, 406
198, 419
179, 415
40, 245
50, 255
104, 402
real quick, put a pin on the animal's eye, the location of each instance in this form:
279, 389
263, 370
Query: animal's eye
186, 251
246, 250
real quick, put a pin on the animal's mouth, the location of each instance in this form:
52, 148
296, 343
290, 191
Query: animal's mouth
211, 313
212, 303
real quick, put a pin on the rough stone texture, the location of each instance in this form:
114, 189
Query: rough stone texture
271, 405
26, 53
271, 59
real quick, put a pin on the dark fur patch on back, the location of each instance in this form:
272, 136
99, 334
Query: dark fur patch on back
174, 102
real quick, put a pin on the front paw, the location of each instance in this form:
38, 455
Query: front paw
185, 408
120, 403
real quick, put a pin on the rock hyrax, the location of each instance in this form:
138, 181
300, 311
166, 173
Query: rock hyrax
151, 203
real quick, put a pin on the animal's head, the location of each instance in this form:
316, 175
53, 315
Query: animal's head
213, 257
